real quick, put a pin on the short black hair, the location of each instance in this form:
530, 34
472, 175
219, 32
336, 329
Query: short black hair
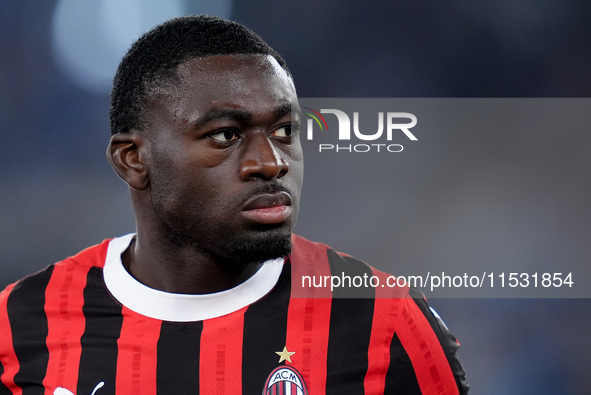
154, 57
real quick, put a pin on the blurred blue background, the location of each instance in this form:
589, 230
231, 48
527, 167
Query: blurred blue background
59, 195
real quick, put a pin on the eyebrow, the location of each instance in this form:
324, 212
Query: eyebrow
283, 110
216, 114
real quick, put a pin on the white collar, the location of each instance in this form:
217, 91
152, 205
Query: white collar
182, 307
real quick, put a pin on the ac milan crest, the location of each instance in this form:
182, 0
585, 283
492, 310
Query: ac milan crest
285, 380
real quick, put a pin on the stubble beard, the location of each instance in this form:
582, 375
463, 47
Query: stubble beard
248, 247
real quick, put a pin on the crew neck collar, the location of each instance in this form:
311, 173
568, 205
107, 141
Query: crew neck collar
168, 306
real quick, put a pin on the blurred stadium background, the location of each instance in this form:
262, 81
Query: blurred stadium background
59, 195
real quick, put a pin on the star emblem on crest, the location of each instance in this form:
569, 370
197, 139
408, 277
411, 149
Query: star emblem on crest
285, 355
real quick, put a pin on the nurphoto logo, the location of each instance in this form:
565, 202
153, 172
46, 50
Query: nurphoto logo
390, 125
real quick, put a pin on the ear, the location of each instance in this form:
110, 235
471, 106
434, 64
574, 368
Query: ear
127, 154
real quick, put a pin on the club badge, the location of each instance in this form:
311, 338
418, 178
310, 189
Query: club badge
285, 379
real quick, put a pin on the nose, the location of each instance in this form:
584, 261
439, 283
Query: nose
261, 159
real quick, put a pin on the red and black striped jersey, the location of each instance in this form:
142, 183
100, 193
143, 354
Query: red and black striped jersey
85, 326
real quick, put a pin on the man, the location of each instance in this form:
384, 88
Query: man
206, 297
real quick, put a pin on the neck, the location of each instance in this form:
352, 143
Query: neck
182, 269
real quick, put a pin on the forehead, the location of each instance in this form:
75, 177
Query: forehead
253, 83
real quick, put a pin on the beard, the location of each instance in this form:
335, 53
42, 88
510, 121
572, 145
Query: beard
247, 249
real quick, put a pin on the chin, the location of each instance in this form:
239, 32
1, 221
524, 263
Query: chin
258, 247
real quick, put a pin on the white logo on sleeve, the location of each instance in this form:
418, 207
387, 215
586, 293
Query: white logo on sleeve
63, 391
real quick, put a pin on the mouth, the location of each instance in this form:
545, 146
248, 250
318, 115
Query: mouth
268, 208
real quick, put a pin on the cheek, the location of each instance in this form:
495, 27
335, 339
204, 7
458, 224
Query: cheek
189, 159
195, 183
173, 180
296, 158
295, 149
211, 158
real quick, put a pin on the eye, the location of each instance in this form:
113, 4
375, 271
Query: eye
284, 131
225, 136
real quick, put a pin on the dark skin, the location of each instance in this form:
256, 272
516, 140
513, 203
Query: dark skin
219, 161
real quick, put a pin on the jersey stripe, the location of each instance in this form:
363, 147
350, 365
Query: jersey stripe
433, 372
177, 339
265, 325
307, 335
8, 361
309, 263
347, 360
98, 360
220, 370
3, 389
401, 377
385, 317
63, 307
136, 362
308, 318
29, 330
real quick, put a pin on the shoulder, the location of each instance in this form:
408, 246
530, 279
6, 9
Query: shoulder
400, 312
345, 275
32, 288
26, 305
312, 254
